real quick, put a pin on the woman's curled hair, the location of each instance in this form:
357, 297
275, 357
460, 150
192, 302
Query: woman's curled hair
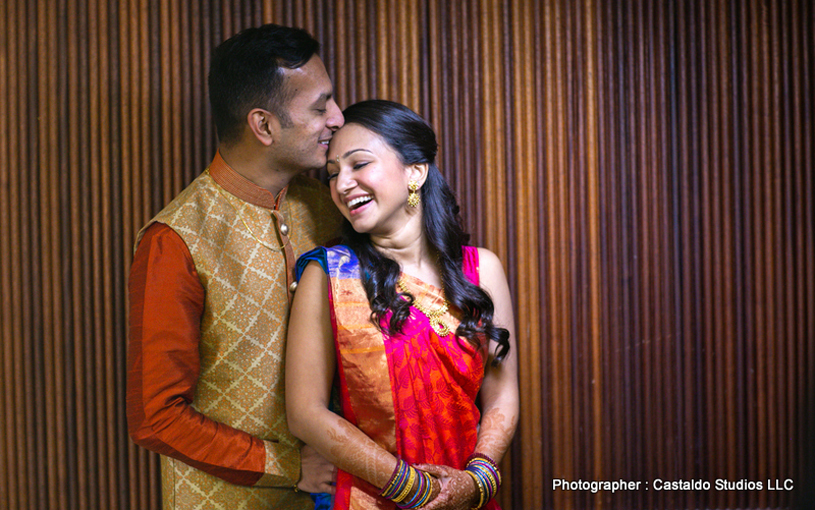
414, 141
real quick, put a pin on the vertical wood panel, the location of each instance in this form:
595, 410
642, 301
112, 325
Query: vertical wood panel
520, 250
5, 258
7, 240
644, 171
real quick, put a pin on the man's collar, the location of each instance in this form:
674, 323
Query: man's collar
238, 185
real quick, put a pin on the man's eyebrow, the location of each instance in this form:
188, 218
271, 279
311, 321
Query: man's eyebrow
325, 96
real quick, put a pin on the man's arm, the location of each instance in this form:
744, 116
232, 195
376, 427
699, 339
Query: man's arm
166, 304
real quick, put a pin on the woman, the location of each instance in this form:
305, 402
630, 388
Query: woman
417, 326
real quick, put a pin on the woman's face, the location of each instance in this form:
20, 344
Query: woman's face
369, 183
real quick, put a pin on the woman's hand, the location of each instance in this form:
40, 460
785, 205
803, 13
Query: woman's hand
458, 490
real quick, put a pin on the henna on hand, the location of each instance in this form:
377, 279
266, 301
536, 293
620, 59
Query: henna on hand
435, 489
365, 462
457, 492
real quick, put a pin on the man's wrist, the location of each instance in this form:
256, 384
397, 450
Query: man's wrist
282, 467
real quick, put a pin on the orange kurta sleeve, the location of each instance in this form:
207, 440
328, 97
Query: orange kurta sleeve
166, 304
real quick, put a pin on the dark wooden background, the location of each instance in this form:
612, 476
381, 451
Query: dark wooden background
643, 168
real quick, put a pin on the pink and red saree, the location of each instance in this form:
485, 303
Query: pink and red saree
414, 393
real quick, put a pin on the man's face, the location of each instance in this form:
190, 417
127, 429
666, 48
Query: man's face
313, 117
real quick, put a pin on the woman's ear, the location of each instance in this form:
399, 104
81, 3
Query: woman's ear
418, 172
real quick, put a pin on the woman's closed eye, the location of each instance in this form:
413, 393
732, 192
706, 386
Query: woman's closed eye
355, 166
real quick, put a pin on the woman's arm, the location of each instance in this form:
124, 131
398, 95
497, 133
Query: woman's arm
499, 397
499, 391
310, 367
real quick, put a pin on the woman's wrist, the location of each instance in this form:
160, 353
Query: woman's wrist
409, 487
487, 477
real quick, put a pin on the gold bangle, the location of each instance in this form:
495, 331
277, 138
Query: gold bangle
408, 487
480, 489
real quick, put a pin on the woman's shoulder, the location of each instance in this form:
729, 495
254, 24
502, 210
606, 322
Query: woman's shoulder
490, 266
338, 259
487, 257
480, 256
480, 264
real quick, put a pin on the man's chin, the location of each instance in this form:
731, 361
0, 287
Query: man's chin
321, 158
317, 164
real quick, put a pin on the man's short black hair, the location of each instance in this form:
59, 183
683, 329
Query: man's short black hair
246, 72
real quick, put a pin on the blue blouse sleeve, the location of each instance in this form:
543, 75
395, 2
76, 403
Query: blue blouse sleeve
318, 254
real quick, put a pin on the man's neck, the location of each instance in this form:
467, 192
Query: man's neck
256, 169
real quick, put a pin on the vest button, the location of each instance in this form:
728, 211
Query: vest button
284, 229
293, 287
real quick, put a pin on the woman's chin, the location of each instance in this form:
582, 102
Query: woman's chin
359, 229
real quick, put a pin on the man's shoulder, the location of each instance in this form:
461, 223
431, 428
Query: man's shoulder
305, 184
312, 206
311, 193
190, 199
197, 192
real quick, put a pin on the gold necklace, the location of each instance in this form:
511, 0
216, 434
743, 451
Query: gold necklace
434, 317
251, 233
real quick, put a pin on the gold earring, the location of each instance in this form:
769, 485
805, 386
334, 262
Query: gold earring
413, 197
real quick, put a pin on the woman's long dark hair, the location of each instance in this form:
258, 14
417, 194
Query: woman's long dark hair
415, 143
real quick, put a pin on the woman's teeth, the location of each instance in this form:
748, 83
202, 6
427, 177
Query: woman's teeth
353, 204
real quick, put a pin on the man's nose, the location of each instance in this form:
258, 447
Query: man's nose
335, 119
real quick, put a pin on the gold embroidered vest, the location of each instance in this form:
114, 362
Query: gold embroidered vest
243, 328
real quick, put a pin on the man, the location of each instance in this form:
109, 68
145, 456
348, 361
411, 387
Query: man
211, 281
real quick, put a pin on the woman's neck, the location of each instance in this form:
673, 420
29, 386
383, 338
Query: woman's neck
411, 250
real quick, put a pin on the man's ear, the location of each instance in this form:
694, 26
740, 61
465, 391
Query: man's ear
264, 125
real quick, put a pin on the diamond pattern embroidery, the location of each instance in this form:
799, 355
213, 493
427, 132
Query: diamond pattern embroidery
243, 334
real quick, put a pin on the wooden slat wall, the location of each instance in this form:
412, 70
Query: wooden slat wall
644, 169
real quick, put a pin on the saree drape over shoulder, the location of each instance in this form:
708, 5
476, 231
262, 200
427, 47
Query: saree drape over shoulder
414, 393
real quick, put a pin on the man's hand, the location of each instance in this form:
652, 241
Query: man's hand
316, 473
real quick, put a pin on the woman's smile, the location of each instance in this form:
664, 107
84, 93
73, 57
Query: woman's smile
369, 183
